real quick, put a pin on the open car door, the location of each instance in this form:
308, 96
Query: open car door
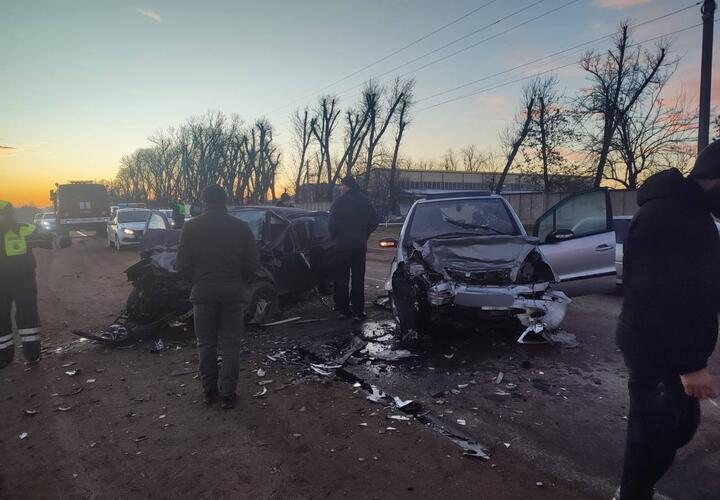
158, 232
578, 241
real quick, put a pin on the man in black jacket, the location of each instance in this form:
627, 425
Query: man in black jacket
352, 220
668, 326
218, 254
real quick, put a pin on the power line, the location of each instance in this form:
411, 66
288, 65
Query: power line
550, 56
551, 70
468, 47
452, 54
397, 51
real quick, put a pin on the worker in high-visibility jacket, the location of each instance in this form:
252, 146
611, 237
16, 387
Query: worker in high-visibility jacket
17, 285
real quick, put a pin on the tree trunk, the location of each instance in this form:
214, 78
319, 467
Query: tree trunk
516, 145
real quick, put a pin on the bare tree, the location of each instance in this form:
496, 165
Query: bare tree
302, 137
401, 123
514, 137
450, 161
322, 127
619, 79
379, 118
654, 136
551, 133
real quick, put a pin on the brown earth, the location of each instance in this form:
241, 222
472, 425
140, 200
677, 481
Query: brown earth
137, 431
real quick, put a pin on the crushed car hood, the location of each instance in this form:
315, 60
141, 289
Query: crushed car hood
476, 253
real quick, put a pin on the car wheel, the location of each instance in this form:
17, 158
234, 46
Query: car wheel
262, 303
408, 336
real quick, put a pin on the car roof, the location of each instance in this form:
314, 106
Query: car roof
133, 209
289, 212
467, 195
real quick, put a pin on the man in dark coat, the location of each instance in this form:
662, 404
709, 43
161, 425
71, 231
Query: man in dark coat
668, 326
352, 220
219, 255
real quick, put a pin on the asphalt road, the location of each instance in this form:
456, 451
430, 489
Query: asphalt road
136, 429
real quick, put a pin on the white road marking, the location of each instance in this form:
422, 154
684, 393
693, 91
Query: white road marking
81, 233
374, 279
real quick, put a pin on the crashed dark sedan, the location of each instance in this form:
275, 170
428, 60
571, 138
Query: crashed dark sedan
296, 252
466, 260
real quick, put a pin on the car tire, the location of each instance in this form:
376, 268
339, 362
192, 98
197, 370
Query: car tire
262, 305
406, 336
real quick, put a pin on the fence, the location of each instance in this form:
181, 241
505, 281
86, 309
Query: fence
530, 206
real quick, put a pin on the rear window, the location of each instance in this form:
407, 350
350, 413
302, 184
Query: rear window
621, 229
254, 218
133, 215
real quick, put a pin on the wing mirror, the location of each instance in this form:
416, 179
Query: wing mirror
388, 243
560, 235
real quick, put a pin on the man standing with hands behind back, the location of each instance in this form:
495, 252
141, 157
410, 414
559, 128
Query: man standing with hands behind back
668, 327
219, 256
352, 221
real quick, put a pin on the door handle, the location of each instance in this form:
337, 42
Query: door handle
603, 248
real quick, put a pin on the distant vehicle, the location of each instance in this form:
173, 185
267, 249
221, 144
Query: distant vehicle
80, 205
45, 222
466, 260
126, 227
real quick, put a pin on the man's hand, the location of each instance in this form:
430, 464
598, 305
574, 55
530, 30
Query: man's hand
700, 384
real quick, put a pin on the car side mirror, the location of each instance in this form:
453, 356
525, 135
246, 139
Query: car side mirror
560, 235
388, 243
64, 242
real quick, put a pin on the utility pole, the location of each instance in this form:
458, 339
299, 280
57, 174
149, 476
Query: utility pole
708, 15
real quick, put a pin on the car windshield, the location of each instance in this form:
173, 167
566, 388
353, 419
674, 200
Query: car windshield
621, 229
480, 216
254, 219
48, 217
133, 215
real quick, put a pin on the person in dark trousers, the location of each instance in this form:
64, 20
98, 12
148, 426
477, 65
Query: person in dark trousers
668, 326
219, 256
18, 286
352, 220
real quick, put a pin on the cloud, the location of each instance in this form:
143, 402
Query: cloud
151, 14
620, 4
7, 150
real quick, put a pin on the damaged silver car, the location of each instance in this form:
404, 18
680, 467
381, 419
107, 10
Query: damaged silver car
466, 260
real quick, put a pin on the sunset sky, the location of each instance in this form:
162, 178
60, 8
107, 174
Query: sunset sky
85, 82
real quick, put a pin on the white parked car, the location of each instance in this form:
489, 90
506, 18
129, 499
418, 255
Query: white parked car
126, 227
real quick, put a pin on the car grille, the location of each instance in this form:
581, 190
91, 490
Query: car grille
491, 277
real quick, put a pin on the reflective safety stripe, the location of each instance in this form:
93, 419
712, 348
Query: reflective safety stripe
31, 338
5, 338
28, 331
5, 345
